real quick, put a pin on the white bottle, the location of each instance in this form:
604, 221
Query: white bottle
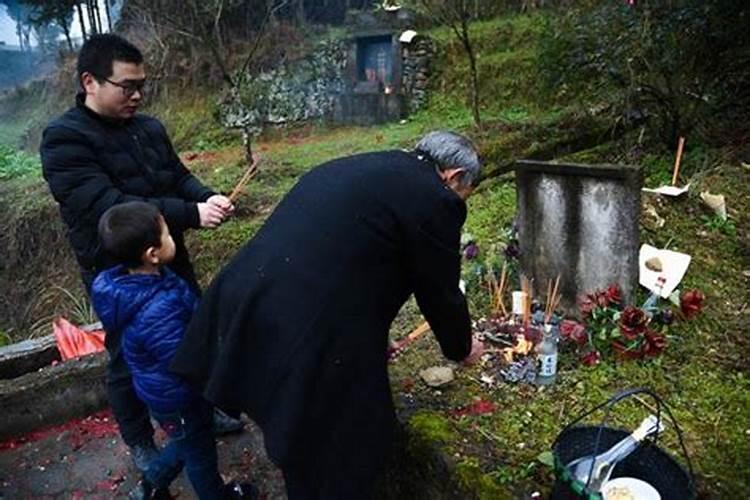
604, 463
546, 353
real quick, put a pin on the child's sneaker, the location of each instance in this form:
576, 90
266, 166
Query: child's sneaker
143, 455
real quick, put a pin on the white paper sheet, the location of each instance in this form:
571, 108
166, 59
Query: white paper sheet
668, 190
674, 266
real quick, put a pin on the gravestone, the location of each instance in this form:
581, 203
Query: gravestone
580, 222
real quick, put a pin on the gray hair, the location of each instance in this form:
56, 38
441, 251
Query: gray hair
451, 150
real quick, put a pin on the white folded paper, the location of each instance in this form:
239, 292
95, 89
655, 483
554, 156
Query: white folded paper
668, 190
674, 266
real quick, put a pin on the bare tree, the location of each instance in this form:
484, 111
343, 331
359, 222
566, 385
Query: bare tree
201, 23
92, 17
98, 14
456, 14
81, 21
109, 15
57, 12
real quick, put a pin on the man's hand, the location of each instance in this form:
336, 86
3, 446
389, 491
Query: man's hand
210, 215
477, 349
222, 203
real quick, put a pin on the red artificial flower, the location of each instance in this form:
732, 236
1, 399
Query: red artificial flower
613, 294
572, 330
632, 323
586, 305
654, 343
624, 352
602, 298
691, 303
591, 358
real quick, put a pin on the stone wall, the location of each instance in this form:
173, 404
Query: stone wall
416, 58
299, 91
579, 222
319, 87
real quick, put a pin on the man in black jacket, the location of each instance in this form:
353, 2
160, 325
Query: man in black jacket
294, 330
101, 153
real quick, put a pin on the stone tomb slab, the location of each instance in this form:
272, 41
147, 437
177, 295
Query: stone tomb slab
580, 222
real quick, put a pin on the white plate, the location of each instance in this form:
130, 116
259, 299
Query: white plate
640, 490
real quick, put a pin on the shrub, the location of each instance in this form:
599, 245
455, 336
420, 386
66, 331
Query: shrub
683, 64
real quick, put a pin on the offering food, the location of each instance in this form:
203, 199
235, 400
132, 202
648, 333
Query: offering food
629, 488
654, 264
621, 493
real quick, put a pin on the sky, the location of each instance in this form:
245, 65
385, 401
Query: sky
8, 26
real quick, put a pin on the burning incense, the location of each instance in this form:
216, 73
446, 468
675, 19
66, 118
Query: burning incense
249, 174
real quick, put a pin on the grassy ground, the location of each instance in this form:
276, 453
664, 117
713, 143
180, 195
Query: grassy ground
703, 373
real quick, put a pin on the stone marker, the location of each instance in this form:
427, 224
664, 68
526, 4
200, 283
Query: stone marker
579, 222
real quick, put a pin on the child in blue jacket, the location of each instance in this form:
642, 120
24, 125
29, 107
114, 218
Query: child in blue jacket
151, 307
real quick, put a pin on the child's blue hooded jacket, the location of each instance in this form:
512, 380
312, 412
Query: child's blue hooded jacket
151, 312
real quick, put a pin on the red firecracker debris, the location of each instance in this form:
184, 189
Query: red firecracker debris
79, 431
478, 407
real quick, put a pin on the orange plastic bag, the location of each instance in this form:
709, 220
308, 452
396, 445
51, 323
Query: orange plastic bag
73, 342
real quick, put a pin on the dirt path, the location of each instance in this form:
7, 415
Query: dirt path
87, 459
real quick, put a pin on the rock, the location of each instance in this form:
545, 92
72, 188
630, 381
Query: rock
437, 376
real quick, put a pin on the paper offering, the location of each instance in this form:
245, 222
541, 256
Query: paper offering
668, 190
673, 268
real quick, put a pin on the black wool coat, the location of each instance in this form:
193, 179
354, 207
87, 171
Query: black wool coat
294, 330
92, 163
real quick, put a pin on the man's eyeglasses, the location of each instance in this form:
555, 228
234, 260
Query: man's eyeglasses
130, 87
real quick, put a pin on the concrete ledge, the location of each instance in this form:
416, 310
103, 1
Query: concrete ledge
27, 356
53, 395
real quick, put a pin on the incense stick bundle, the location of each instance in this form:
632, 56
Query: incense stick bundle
249, 174
404, 342
526, 289
419, 331
502, 288
553, 299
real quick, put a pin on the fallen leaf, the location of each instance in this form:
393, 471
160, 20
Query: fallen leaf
546, 458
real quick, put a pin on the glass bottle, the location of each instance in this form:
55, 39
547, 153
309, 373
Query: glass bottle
546, 352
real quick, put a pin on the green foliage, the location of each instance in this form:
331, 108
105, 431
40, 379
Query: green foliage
678, 63
432, 426
5, 338
15, 164
716, 224
75, 307
190, 122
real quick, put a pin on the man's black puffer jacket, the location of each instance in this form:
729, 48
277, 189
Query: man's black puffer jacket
92, 163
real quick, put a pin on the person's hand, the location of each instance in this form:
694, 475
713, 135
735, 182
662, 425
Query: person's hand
222, 203
210, 215
477, 349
